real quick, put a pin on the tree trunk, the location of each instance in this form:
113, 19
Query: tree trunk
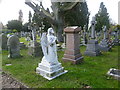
60, 27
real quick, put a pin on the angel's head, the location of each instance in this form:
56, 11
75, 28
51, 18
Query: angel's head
50, 31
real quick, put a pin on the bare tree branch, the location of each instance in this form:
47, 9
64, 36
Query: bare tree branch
42, 13
68, 6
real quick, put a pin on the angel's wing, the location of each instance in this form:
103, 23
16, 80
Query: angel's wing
44, 44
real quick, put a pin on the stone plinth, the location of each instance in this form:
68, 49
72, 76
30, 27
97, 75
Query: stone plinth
50, 71
92, 48
72, 52
34, 49
104, 45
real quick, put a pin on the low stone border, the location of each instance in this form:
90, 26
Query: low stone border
9, 82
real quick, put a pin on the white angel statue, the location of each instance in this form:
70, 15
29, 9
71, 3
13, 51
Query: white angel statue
49, 48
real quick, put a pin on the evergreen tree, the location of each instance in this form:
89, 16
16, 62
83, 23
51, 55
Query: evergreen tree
15, 24
77, 16
102, 18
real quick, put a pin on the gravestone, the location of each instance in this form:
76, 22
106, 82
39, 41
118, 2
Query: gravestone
92, 46
49, 67
110, 39
72, 52
104, 44
13, 46
22, 45
3, 41
84, 39
34, 48
116, 39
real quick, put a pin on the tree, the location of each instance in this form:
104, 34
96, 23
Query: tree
41, 21
78, 16
14, 24
102, 18
55, 18
25, 27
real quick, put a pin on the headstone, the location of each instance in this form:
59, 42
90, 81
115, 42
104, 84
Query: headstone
109, 39
72, 52
49, 67
13, 46
22, 45
116, 40
104, 44
84, 39
92, 46
3, 41
34, 48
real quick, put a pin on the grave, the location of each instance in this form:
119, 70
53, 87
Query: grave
13, 46
114, 73
104, 44
92, 46
116, 40
34, 48
72, 53
3, 41
49, 67
22, 45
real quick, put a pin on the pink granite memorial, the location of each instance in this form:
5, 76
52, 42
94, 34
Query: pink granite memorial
72, 53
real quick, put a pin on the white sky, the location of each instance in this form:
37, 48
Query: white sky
9, 9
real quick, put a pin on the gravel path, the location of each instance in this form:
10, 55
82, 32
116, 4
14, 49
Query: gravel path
9, 82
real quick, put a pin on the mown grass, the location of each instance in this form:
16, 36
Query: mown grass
92, 72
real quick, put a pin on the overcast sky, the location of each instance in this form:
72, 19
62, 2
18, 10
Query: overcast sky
9, 9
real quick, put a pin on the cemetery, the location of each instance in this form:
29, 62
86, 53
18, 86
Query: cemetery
50, 51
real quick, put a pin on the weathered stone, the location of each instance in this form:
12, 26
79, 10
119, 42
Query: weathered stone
92, 46
72, 52
34, 49
104, 44
13, 46
22, 45
3, 41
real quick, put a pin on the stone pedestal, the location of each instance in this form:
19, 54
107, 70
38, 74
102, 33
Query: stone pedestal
34, 49
104, 45
92, 48
72, 52
50, 71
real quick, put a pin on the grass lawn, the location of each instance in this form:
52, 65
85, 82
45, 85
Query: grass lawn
92, 72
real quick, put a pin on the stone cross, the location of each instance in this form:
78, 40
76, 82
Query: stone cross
105, 32
93, 22
33, 28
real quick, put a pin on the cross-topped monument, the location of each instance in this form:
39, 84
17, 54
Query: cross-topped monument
104, 44
92, 46
93, 22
